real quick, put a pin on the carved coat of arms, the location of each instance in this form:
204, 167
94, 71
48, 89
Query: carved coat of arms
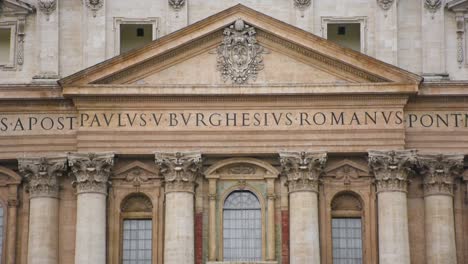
239, 55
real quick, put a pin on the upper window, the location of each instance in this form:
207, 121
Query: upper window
137, 228
347, 229
5, 45
348, 32
242, 227
133, 33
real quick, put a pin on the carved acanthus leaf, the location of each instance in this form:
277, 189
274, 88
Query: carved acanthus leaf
303, 169
385, 4
91, 170
177, 4
240, 56
439, 172
392, 168
180, 170
41, 174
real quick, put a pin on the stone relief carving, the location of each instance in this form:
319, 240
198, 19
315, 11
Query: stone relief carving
180, 170
177, 4
94, 5
240, 56
439, 172
346, 201
432, 5
385, 4
41, 174
92, 171
242, 169
460, 19
137, 203
303, 169
392, 168
302, 4
47, 6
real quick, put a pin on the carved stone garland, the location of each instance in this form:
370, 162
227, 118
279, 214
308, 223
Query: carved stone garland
177, 4
439, 172
94, 5
432, 5
92, 171
302, 4
240, 55
180, 170
47, 6
385, 4
392, 168
41, 174
303, 169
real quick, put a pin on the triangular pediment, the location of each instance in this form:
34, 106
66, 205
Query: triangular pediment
15, 8
238, 47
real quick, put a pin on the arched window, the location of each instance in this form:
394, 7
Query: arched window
242, 227
347, 229
137, 227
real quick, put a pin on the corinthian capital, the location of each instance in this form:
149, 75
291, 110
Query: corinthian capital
392, 168
439, 172
41, 174
303, 169
179, 169
91, 170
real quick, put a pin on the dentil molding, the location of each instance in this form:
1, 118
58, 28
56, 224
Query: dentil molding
303, 169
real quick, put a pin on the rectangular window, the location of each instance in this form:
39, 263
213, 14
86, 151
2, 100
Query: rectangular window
137, 241
134, 36
346, 34
5, 46
347, 240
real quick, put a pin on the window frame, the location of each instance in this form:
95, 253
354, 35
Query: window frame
361, 20
154, 21
5, 226
224, 196
12, 26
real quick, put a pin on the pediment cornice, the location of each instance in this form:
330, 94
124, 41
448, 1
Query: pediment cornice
15, 8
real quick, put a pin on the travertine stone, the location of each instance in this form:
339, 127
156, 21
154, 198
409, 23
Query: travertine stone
180, 171
92, 171
47, 22
302, 171
393, 228
212, 221
43, 187
391, 170
439, 172
271, 220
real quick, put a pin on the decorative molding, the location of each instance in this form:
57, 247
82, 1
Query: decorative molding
302, 4
177, 4
41, 174
136, 173
137, 202
92, 171
94, 5
346, 201
385, 4
392, 168
439, 172
20, 41
47, 6
242, 169
432, 5
460, 22
179, 169
303, 169
347, 171
240, 56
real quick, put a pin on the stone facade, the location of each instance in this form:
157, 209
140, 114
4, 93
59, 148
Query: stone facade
245, 98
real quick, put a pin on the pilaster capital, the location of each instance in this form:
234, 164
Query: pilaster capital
41, 174
392, 168
303, 169
180, 170
91, 171
439, 172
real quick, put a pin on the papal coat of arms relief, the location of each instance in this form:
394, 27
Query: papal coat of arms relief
239, 55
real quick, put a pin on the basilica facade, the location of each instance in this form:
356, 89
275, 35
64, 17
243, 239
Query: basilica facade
231, 132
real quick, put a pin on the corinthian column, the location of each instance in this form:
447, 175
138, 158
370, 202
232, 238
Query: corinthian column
180, 171
41, 174
439, 172
391, 170
92, 171
303, 171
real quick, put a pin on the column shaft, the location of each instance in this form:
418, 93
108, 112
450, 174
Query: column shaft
271, 228
43, 231
212, 230
179, 234
90, 245
304, 229
393, 228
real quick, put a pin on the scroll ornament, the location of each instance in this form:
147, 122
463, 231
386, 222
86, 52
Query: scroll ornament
91, 170
41, 175
179, 169
439, 172
240, 55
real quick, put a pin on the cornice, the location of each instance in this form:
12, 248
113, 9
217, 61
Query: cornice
30, 91
446, 88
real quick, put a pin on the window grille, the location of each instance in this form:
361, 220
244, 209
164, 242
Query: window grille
137, 248
347, 240
242, 227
